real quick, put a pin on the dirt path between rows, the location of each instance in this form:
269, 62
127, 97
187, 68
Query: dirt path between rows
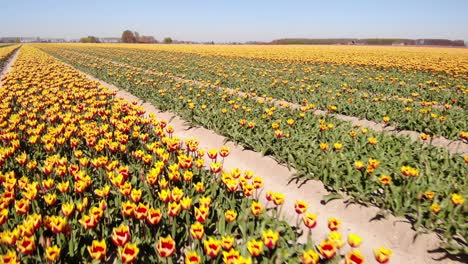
7, 65
392, 232
452, 146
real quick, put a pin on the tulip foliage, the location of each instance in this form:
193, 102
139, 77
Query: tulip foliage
407, 178
88, 178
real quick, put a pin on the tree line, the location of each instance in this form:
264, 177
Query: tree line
128, 36
370, 41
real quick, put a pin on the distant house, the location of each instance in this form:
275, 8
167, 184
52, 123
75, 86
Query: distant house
28, 40
110, 40
57, 40
8, 39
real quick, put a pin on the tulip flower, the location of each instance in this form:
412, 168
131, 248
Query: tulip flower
300, 207
191, 257
255, 247
338, 146
57, 224
174, 209
188, 175
230, 215
88, 222
3, 216
120, 235
129, 252
224, 151
199, 187
186, 203
323, 146
166, 246
429, 195
205, 201
27, 245
354, 257
382, 254
22, 206
278, 198
9, 237
231, 257
212, 154
176, 194
358, 165
310, 220
385, 180
201, 213
212, 247
335, 238
354, 240
256, 208
9, 258
333, 223
63, 187
164, 195
457, 199
216, 167
141, 211
52, 253
197, 231
257, 182
98, 249
310, 257
96, 212
327, 249
135, 195
270, 238
67, 209
435, 208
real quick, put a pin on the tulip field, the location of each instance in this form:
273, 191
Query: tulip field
87, 177
6, 51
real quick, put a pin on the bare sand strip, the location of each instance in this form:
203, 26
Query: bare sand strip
393, 232
452, 146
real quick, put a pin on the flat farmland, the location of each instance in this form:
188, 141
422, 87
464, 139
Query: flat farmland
89, 176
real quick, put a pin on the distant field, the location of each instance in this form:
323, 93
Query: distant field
453, 60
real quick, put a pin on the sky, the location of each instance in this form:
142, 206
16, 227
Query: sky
236, 20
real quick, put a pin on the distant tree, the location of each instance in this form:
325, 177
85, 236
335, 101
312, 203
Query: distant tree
167, 40
146, 39
89, 39
128, 37
18, 40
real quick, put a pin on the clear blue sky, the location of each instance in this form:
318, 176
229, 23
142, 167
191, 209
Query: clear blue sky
236, 20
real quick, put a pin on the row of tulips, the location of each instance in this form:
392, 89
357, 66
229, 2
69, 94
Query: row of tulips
408, 100
437, 60
388, 171
5, 52
292, 75
86, 177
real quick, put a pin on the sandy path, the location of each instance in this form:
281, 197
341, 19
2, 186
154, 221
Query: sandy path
392, 232
7, 66
452, 146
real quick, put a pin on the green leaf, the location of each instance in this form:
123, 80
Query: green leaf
330, 197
